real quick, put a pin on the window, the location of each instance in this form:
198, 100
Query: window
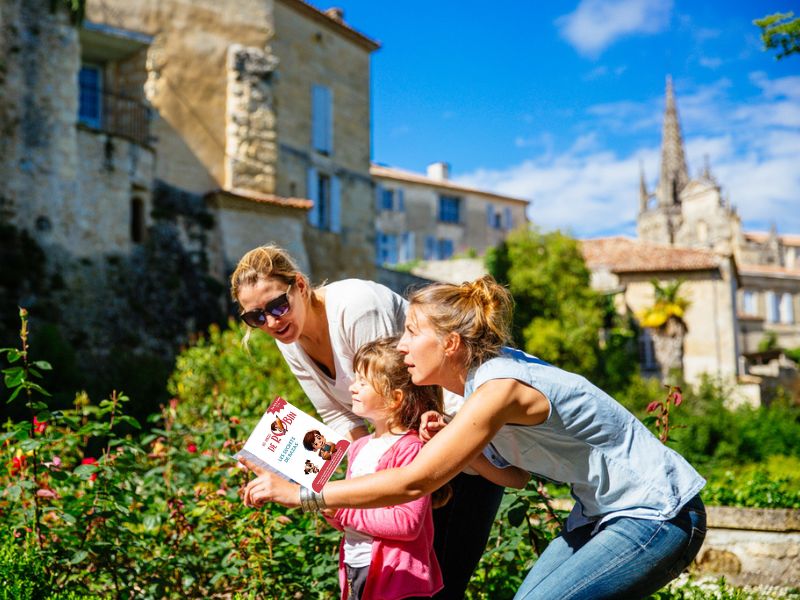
324, 190
321, 119
749, 302
449, 209
389, 199
771, 301
90, 99
386, 248
786, 309
446, 249
137, 220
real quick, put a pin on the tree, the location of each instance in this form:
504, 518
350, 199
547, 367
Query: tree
557, 315
780, 30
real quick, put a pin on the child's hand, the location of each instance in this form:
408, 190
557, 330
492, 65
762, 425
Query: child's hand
430, 424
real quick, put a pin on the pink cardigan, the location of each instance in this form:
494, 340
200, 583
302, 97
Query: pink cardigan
403, 562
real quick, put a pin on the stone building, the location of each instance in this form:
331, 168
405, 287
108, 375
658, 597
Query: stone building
751, 294
264, 109
430, 218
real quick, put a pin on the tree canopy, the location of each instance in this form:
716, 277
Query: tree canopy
557, 315
780, 31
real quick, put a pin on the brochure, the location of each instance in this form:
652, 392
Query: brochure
295, 445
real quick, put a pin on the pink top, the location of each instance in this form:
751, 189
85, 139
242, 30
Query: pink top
403, 562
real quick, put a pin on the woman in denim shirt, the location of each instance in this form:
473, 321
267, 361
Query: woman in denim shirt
637, 521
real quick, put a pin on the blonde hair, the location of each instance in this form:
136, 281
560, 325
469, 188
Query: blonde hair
478, 311
260, 264
381, 364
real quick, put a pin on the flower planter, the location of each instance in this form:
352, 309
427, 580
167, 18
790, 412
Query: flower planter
752, 546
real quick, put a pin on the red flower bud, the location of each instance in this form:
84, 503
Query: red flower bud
192, 448
653, 405
39, 426
89, 460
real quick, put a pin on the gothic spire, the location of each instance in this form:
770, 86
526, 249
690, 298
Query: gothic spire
644, 195
674, 174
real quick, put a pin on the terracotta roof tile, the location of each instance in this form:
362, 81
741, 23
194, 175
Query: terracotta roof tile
776, 270
763, 236
300, 203
626, 255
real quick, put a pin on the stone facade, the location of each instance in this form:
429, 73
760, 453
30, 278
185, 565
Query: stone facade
75, 188
432, 218
232, 87
693, 213
626, 268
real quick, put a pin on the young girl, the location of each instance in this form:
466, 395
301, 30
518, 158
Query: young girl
387, 553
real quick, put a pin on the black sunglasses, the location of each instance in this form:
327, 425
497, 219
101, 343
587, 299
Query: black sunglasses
277, 308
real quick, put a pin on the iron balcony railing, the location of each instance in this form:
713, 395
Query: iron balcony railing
114, 114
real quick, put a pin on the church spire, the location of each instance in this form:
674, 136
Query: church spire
674, 174
644, 195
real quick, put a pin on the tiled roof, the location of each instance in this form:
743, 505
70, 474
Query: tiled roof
249, 195
339, 25
770, 270
626, 255
763, 236
446, 184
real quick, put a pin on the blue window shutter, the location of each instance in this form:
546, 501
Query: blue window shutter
378, 247
490, 215
378, 197
336, 205
509, 220
401, 200
430, 248
312, 191
321, 119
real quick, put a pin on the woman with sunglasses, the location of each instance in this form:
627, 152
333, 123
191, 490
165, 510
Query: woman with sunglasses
318, 331
638, 520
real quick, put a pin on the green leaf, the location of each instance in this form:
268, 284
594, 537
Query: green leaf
43, 365
648, 421
85, 471
14, 394
12, 354
79, 556
129, 420
14, 377
14, 492
68, 518
37, 387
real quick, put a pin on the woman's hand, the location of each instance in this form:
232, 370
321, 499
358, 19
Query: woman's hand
430, 423
268, 487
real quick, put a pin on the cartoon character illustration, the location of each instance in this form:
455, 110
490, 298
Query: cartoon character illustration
314, 441
310, 468
278, 426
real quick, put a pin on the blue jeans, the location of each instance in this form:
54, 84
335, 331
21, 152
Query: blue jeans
626, 558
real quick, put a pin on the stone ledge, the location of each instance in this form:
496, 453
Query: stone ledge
755, 519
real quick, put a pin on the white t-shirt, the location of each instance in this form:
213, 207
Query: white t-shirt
358, 312
357, 545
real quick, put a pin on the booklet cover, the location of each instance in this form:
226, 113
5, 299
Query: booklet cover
295, 445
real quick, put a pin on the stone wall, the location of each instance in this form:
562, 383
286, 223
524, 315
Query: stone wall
312, 50
750, 546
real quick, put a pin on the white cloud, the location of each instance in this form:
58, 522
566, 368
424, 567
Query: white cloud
753, 145
596, 24
710, 62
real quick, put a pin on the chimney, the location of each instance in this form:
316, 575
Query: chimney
439, 170
336, 13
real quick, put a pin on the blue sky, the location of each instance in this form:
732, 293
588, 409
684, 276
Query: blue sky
560, 102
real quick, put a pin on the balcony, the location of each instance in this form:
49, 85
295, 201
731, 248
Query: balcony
114, 114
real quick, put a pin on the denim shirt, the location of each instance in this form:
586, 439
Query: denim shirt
613, 464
